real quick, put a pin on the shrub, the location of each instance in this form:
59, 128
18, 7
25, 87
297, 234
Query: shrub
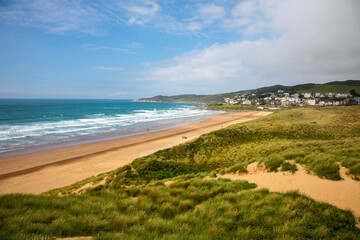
155, 169
324, 165
288, 167
273, 163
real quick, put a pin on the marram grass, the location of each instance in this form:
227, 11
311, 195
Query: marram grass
195, 208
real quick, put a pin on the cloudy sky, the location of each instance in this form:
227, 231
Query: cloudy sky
142, 48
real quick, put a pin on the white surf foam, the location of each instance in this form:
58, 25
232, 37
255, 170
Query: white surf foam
41, 132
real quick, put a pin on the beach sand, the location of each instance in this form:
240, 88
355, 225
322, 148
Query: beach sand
42, 171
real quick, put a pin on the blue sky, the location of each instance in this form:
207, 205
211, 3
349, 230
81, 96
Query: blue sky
142, 48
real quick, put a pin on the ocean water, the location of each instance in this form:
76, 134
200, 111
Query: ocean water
34, 125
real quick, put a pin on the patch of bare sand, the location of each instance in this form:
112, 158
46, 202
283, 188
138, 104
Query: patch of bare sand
82, 189
344, 194
168, 183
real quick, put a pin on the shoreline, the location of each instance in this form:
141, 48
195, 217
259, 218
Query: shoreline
42, 171
113, 135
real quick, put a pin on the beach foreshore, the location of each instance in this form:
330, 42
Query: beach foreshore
42, 171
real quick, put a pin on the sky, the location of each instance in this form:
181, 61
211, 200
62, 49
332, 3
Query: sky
142, 48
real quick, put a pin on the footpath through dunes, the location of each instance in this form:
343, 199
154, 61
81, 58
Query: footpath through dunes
344, 194
42, 171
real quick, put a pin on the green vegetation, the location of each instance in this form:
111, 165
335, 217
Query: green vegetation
231, 107
288, 167
190, 208
173, 193
297, 134
273, 163
338, 87
193, 98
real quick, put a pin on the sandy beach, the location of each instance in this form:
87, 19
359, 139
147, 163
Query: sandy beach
42, 171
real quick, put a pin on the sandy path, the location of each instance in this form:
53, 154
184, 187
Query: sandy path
343, 194
43, 171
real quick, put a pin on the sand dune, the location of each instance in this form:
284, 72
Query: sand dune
344, 194
43, 171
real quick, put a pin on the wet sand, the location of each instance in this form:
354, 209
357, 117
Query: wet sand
344, 194
46, 170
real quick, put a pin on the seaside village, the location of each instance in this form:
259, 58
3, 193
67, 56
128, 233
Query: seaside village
276, 100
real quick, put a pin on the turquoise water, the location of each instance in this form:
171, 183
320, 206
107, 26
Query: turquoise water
31, 124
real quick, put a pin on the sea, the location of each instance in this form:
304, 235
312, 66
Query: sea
31, 125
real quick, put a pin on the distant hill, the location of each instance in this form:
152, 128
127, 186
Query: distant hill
191, 98
337, 86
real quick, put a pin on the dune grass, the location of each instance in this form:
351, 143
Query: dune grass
328, 134
190, 208
232, 107
138, 202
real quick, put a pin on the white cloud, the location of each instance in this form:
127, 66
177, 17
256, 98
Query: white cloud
147, 8
114, 69
132, 20
64, 16
54, 16
311, 41
211, 12
141, 12
60, 17
244, 9
202, 16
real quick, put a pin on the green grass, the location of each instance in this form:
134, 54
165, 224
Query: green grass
136, 204
273, 163
332, 132
232, 107
322, 164
73, 187
288, 167
190, 208
318, 88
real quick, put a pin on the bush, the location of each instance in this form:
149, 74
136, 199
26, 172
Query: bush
288, 167
324, 165
237, 168
273, 163
155, 169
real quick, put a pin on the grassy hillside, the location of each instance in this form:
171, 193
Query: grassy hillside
172, 194
338, 86
193, 98
330, 88
231, 107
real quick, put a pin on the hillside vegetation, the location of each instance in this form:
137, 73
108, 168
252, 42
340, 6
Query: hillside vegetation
193, 98
337, 86
172, 194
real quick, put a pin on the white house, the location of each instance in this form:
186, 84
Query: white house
246, 102
307, 95
341, 95
311, 102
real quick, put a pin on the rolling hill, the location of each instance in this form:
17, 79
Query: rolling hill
336, 86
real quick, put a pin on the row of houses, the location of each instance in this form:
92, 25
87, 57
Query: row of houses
284, 99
